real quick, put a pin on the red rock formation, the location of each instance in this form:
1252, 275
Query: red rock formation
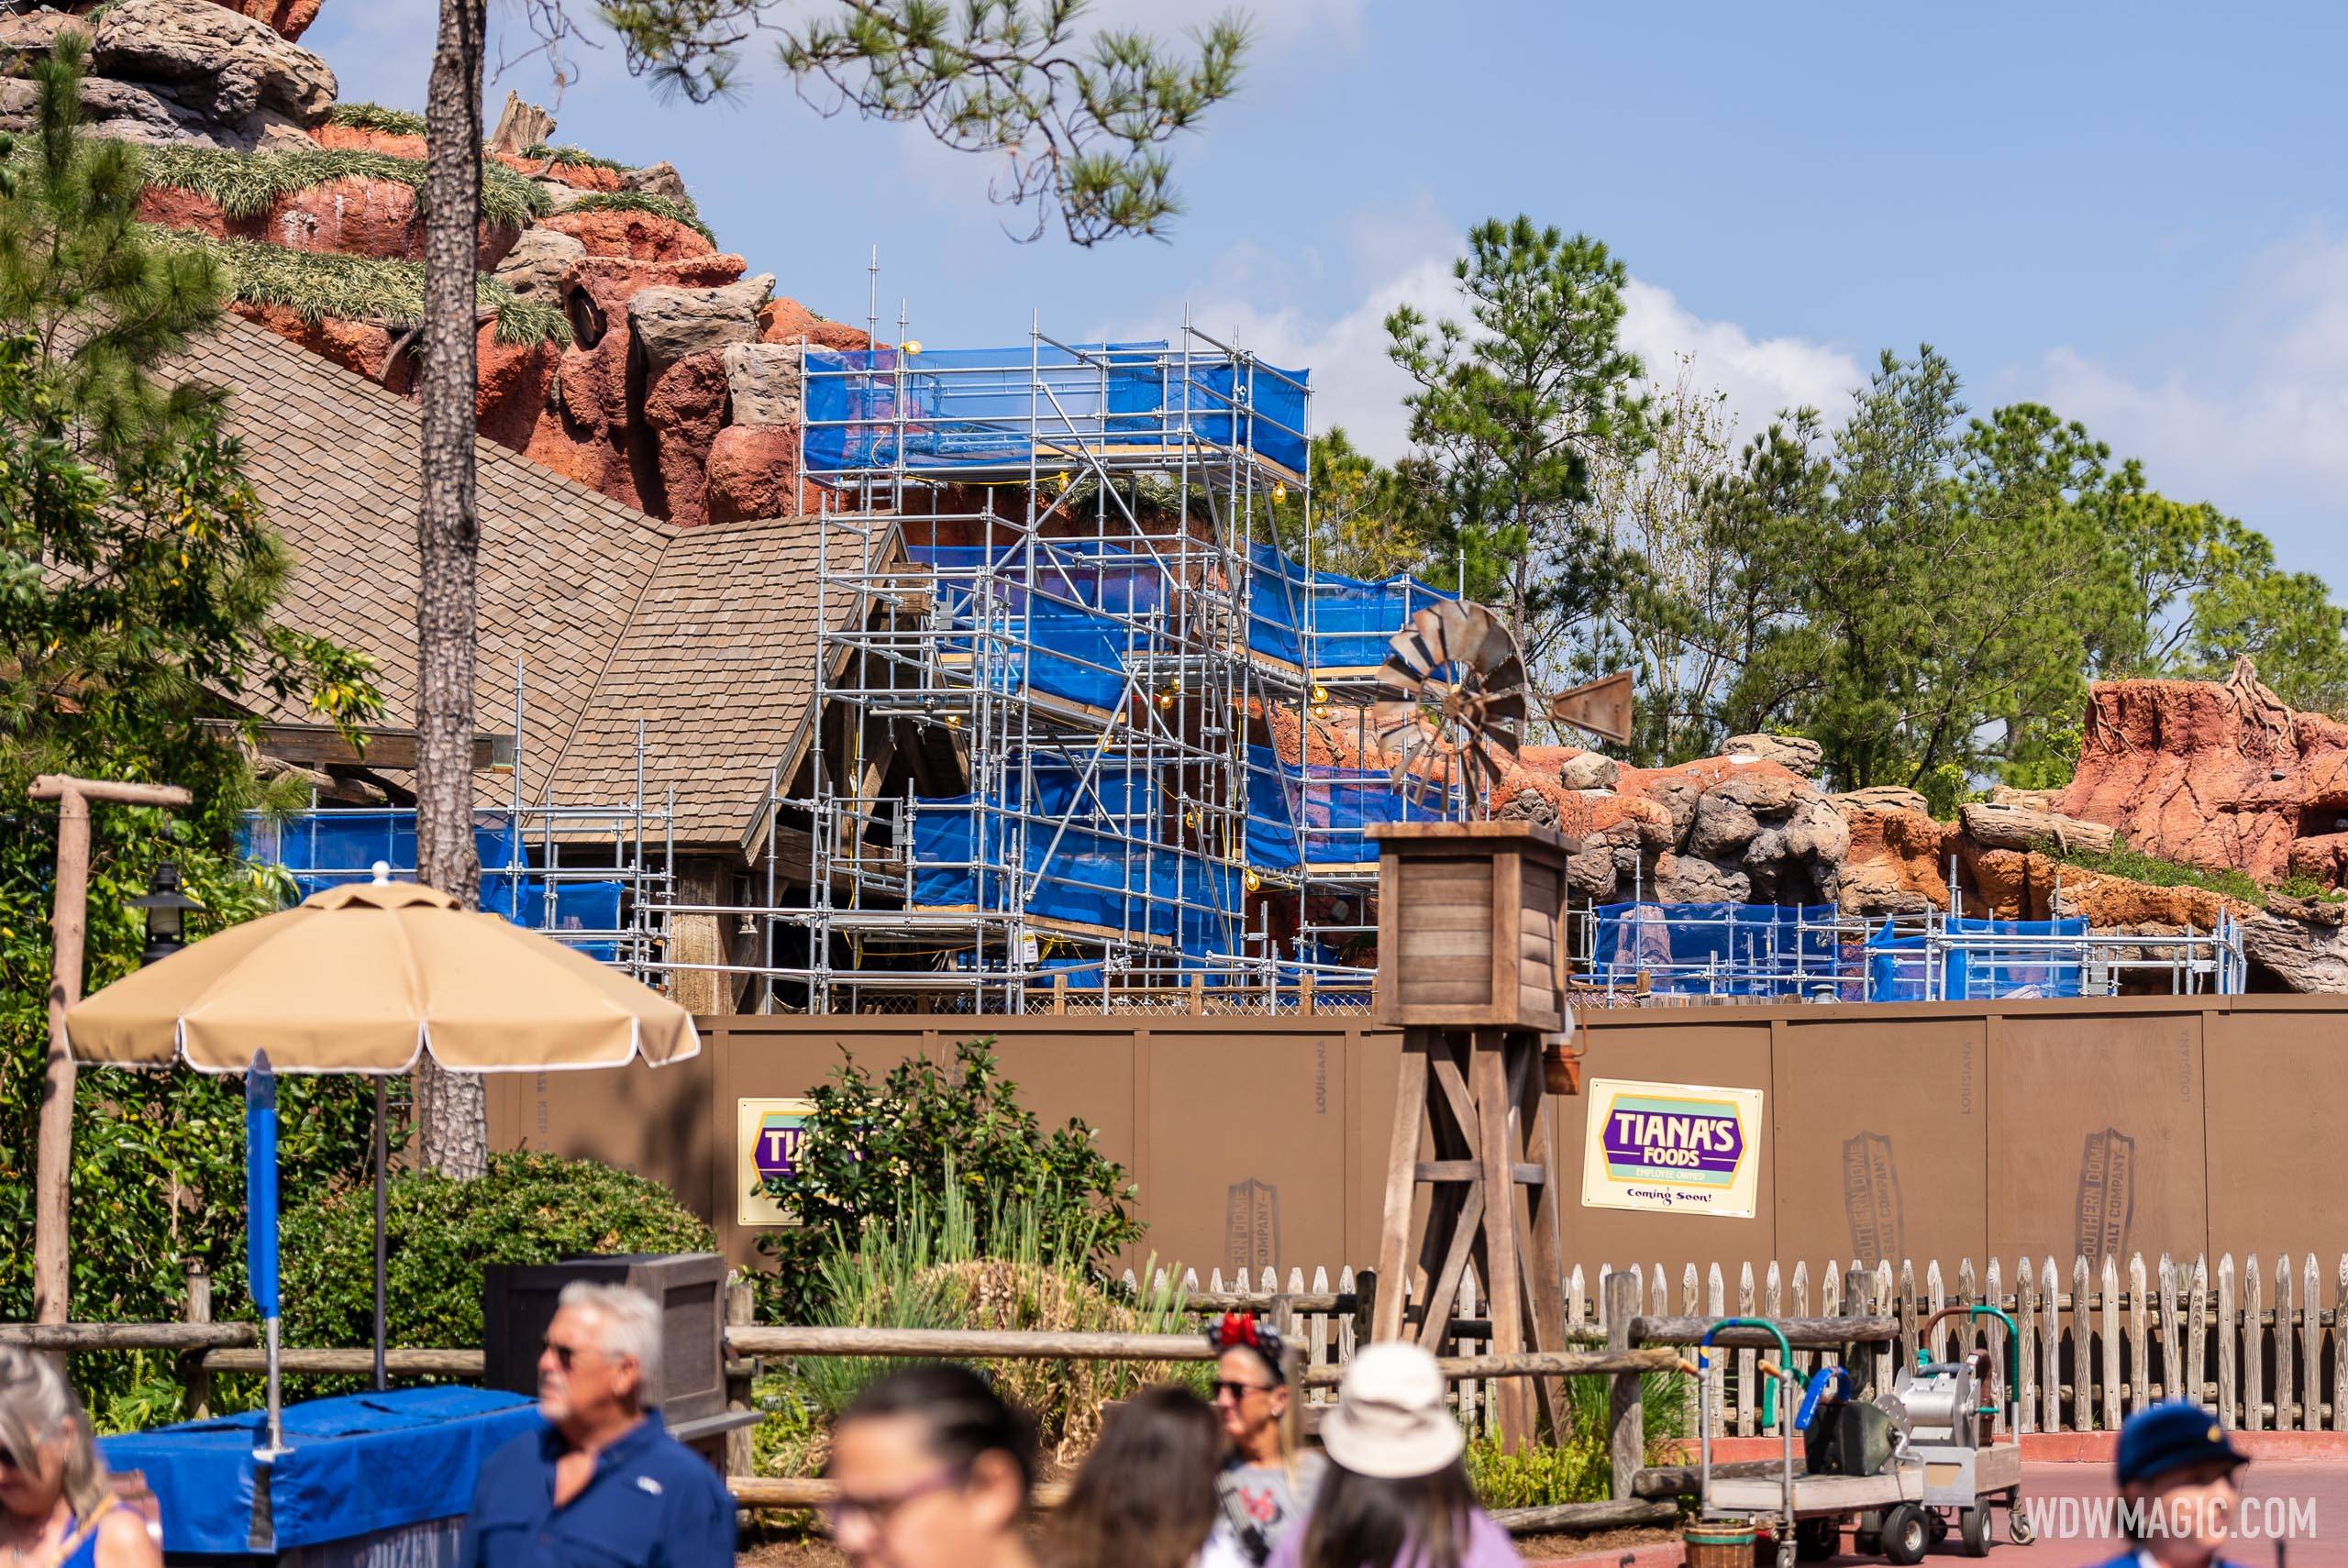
353, 345
515, 379
2015, 885
683, 412
2220, 775
578, 176
788, 321
353, 138
751, 473
288, 16
1899, 858
174, 208
639, 237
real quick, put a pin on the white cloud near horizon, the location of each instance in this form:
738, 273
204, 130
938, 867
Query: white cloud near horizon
2257, 418
1246, 300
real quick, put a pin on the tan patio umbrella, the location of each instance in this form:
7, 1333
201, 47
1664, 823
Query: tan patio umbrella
361, 979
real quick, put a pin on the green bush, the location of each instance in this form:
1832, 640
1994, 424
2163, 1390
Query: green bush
2120, 860
874, 1152
1581, 1468
375, 118
530, 1208
955, 1263
317, 284
641, 201
577, 157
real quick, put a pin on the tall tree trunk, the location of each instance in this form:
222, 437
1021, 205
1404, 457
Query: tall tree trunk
452, 1111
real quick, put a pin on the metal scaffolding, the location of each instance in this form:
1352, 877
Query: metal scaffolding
1063, 682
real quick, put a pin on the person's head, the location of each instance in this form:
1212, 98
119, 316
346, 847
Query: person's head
2176, 1461
1146, 1496
1395, 1479
933, 1468
1251, 1389
46, 1450
602, 1355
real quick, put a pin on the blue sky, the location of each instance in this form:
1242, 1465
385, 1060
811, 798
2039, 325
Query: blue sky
2135, 212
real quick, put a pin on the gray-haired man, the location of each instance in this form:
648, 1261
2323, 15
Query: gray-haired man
604, 1485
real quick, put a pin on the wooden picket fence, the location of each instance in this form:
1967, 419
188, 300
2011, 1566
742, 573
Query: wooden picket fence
2256, 1343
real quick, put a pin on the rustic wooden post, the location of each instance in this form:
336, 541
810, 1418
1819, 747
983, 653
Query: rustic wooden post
2311, 1349
197, 1309
2284, 1388
1472, 968
1627, 1441
2026, 1319
2050, 1348
741, 1443
2111, 1344
2082, 1346
68, 926
2172, 1380
2254, 1347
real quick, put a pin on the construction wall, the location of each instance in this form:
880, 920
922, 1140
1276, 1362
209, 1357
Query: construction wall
1925, 1130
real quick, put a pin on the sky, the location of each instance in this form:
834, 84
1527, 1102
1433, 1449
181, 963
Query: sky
2134, 213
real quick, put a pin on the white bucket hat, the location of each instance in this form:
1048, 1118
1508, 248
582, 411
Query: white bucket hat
1390, 1421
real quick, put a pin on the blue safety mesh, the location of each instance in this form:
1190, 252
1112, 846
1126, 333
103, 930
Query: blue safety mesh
1351, 620
332, 848
942, 409
1321, 816
1750, 950
1980, 960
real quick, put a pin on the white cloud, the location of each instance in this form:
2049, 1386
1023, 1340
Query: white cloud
2258, 416
1758, 377
1407, 257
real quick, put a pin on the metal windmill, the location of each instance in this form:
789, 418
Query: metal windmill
1462, 697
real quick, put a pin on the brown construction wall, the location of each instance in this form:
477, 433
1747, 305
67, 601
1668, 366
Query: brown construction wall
2040, 1128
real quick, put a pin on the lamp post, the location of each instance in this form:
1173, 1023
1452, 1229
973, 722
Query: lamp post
166, 908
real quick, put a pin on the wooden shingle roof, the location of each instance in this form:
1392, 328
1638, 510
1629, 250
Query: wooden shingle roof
705, 634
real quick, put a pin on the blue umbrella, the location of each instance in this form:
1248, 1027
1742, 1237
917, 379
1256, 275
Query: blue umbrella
260, 1220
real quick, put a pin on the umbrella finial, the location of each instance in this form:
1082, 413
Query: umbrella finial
382, 873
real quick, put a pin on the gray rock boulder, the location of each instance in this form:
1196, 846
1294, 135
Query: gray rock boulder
657, 180
765, 382
671, 323
534, 268
225, 64
2303, 941
1794, 752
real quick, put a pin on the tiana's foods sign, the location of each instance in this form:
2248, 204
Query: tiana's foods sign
1671, 1148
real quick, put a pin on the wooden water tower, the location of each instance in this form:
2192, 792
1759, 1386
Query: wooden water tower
1471, 967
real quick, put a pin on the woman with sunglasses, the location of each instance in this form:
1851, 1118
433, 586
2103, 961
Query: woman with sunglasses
1266, 1484
57, 1507
934, 1470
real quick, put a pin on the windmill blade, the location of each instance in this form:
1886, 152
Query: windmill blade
1601, 707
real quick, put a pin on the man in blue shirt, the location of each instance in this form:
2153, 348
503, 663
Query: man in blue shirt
605, 1485
2176, 1481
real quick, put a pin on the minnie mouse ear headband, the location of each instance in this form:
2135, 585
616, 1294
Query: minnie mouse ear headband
1240, 1331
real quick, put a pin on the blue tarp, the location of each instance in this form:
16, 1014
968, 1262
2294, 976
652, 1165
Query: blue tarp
988, 407
327, 849
1978, 968
1717, 949
1334, 806
1352, 621
367, 1461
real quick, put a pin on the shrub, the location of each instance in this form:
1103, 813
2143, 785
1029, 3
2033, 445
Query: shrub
577, 157
874, 1152
1581, 1469
245, 183
949, 1263
530, 1208
375, 118
317, 284
2120, 860
641, 201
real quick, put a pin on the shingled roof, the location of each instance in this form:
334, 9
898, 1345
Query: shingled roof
705, 634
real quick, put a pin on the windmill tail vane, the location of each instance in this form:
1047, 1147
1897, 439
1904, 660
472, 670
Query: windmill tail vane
1459, 702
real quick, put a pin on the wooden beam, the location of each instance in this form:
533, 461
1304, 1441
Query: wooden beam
322, 745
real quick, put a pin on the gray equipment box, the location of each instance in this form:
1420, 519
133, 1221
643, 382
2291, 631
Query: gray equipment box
518, 1303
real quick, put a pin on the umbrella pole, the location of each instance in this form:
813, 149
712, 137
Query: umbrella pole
382, 1150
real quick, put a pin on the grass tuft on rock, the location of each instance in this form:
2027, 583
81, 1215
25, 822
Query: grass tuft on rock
641, 201
376, 117
246, 183
577, 157
2135, 866
318, 285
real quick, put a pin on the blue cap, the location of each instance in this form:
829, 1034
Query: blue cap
2165, 1437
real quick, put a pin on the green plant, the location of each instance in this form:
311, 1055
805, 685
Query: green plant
376, 117
246, 183
872, 1150
2120, 860
317, 284
641, 201
577, 157
952, 1261
531, 1208
1580, 1468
